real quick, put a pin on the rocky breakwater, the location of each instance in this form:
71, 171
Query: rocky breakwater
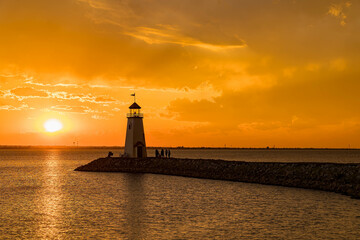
333, 177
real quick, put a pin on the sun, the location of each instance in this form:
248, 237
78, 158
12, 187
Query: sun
53, 125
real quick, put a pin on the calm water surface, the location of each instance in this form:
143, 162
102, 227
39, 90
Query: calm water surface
43, 198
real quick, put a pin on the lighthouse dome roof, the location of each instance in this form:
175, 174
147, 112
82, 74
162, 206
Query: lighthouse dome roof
134, 106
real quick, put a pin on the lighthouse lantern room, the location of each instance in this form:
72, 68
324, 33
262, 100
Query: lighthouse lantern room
135, 146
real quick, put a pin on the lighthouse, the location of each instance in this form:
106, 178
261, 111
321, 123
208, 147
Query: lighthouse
135, 146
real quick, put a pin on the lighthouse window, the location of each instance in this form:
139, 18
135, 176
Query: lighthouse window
129, 126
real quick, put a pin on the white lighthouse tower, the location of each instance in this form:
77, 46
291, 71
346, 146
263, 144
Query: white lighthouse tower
135, 146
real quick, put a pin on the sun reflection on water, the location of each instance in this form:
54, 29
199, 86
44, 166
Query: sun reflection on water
50, 200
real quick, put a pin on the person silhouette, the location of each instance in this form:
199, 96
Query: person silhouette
156, 153
166, 152
169, 153
162, 152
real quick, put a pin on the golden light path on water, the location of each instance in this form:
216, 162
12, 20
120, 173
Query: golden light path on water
50, 198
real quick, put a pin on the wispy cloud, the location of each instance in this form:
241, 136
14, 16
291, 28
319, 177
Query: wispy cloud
28, 92
31, 82
104, 99
83, 97
338, 11
71, 109
171, 35
14, 108
97, 4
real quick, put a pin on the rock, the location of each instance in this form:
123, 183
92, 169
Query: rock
333, 177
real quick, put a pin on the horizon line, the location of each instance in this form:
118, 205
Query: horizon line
177, 147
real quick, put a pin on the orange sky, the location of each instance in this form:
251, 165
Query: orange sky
206, 73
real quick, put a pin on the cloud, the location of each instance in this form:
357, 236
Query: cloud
195, 111
104, 99
72, 85
338, 64
99, 117
176, 36
83, 97
14, 108
83, 110
318, 97
71, 109
167, 34
27, 92
338, 11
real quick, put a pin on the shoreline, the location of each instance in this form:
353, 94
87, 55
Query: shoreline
331, 177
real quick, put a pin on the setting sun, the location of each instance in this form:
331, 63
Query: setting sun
53, 125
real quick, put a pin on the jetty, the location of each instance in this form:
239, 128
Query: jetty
332, 177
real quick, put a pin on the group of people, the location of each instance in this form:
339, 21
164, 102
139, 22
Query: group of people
162, 153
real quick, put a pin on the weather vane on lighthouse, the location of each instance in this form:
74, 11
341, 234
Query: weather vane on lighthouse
133, 95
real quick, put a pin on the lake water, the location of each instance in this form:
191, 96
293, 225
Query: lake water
41, 197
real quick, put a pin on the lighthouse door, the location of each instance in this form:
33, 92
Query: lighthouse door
139, 152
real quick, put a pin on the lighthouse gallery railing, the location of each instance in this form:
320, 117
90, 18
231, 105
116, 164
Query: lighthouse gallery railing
134, 115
